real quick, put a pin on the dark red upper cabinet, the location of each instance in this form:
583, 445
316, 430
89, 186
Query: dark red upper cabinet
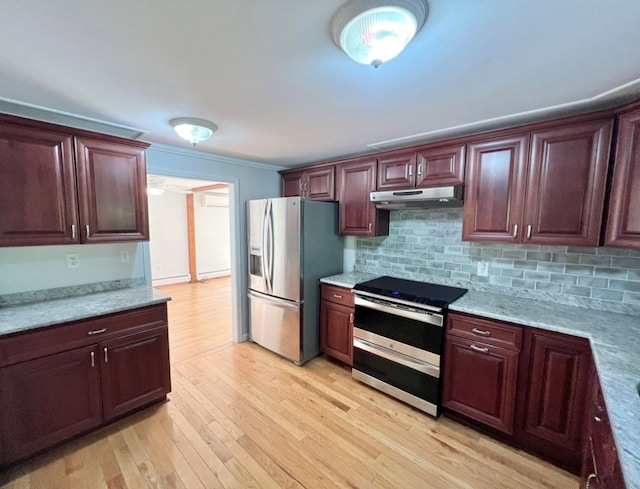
397, 171
566, 184
51, 195
356, 179
37, 187
315, 183
495, 190
111, 189
553, 196
428, 166
441, 165
623, 226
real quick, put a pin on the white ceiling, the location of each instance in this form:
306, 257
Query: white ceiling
268, 74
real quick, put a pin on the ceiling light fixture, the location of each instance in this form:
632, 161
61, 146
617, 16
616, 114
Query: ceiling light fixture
193, 130
372, 32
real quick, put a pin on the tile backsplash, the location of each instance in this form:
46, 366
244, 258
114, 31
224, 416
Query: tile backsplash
426, 245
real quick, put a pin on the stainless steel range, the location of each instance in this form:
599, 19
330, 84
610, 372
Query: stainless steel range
398, 337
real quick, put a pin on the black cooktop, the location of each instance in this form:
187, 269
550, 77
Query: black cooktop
434, 295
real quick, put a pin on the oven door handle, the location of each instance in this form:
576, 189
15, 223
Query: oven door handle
425, 368
421, 316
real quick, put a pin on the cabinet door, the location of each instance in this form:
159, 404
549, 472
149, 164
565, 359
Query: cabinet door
48, 400
480, 382
135, 371
336, 323
358, 216
623, 227
111, 191
319, 183
397, 171
566, 184
291, 184
443, 165
555, 374
37, 187
495, 190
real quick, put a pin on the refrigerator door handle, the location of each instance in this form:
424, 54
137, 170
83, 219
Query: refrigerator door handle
271, 247
263, 253
270, 298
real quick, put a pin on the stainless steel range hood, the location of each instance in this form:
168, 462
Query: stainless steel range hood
419, 198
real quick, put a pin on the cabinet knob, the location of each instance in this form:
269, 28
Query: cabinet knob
93, 359
370, 227
597, 419
88, 230
515, 230
410, 170
528, 231
106, 356
74, 233
351, 317
420, 169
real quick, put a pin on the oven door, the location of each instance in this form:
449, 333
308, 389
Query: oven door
417, 329
408, 379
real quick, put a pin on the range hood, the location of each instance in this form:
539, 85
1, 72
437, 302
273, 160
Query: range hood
419, 198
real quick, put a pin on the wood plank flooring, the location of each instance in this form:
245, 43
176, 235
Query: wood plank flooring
241, 417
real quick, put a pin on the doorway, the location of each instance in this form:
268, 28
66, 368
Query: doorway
190, 260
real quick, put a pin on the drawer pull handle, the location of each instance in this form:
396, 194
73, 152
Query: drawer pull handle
74, 234
515, 230
481, 332
479, 349
106, 356
588, 484
351, 317
88, 230
93, 359
528, 231
337, 296
97, 331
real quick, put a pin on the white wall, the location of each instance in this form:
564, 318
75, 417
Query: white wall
29, 268
169, 245
213, 239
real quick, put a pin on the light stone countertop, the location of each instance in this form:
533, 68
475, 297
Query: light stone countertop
47, 313
615, 344
348, 279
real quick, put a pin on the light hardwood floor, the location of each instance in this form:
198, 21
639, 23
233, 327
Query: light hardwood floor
241, 417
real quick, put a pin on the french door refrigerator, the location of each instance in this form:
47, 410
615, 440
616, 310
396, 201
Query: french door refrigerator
292, 243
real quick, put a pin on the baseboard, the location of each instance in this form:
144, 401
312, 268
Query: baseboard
170, 280
216, 274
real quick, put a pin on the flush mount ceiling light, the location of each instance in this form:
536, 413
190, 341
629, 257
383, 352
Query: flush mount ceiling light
374, 31
193, 130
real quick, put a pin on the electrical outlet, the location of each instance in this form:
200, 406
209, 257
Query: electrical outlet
483, 269
73, 260
124, 256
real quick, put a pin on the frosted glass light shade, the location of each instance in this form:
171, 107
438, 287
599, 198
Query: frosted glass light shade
374, 31
193, 130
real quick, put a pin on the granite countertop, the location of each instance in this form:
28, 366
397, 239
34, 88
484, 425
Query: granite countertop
348, 279
615, 344
47, 313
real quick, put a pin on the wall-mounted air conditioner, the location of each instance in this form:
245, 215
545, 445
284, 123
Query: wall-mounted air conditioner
214, 200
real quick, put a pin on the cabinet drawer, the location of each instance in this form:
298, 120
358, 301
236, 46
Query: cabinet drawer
339, 295
39, 342
489, 332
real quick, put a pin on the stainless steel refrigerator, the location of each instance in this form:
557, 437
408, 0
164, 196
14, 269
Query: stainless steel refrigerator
292, 243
